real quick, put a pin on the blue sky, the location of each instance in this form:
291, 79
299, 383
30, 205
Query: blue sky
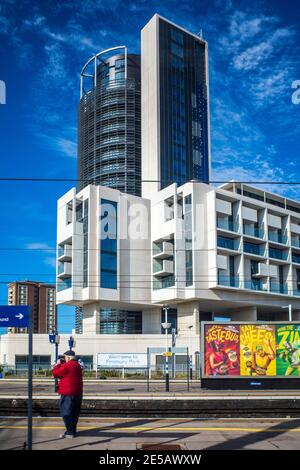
255, 128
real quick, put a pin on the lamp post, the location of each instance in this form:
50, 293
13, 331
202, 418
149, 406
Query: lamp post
290, 310
54, 339
166, 325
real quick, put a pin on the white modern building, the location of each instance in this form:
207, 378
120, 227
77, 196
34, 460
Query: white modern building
199, 251
205, 252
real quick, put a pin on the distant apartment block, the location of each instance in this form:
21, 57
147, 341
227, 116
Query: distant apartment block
41, 298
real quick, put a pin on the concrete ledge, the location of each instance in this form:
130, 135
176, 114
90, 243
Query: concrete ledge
161, 406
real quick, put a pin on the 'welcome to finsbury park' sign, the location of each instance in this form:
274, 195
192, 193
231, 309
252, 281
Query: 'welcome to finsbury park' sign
126, 360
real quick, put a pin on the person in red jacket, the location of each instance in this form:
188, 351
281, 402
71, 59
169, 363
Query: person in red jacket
70, 388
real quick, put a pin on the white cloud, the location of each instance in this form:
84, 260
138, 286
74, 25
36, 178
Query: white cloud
67, 147
63, 144
38, 246
251, 57
50, 261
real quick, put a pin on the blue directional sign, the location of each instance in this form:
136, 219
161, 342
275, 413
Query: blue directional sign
14, 315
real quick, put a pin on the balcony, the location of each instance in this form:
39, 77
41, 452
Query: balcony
63, 285
279, 288
225, 224
277, 237
263, 270
255, 284
163, 268
253, 249
228, 281
295, 242
163, 283
228, 243
64, 253
278, 254
296, 258
252, 231
64, 270
163, 249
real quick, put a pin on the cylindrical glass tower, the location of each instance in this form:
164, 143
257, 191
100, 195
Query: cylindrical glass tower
109, 129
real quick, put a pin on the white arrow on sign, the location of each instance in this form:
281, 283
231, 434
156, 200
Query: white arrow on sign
19, 316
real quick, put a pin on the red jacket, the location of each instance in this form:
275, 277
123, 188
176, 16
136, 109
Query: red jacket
70, 375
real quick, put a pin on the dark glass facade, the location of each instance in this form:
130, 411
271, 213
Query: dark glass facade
120, 322
108, 245
109, 127
78, 320
184, 131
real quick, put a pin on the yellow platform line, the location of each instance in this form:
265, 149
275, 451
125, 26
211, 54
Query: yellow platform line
160, 429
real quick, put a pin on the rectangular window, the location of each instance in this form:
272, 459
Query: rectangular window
177, 36
79, 211
85, 241
108, 245
69, 212
120, 322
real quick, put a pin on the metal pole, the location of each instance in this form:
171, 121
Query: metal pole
167, 359
56, 359
148, 371
290, 312
29, 403
188, 366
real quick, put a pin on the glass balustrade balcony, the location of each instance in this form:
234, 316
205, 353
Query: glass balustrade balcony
274, 236
163, 267
157, 248
253, 231
60, 251
228, 243
279, 288
254, 249
63, 285
226, 224
296, 258
163, 283
295, 242
278, 254
61, 268
228, 281
255, 284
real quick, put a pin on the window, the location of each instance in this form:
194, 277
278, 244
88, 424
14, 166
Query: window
108, 244
298, 279
177, 36
69, 212
120, 322
85, 241
79, 211
176, 49
169, 209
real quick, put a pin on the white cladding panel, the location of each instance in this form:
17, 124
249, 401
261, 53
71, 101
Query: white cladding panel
249, 214
222, 262
224, 207
295, 228
274, 221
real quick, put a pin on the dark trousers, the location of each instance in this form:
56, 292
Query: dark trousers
70, 411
